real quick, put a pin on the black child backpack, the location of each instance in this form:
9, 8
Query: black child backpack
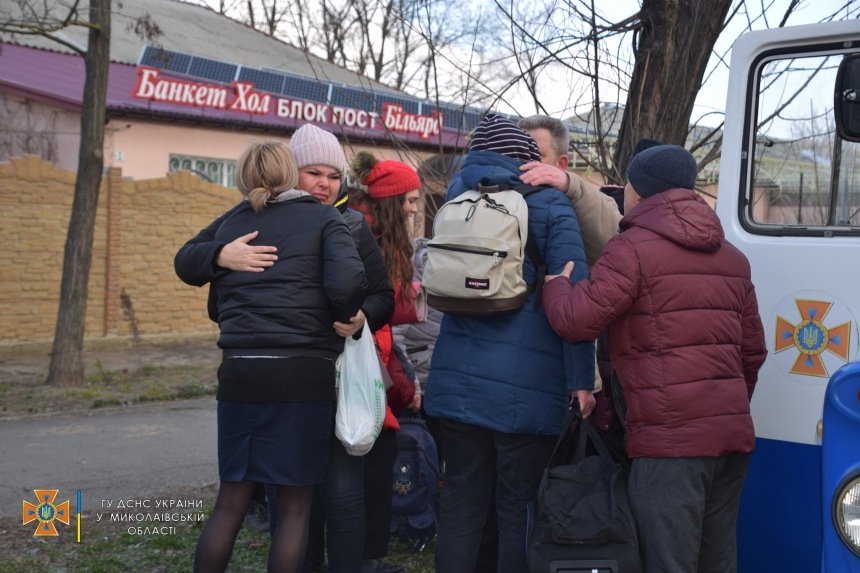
415, 484
580, 520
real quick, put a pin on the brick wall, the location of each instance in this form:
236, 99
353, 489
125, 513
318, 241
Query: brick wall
147, 221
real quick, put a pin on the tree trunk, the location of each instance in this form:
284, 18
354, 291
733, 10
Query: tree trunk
67, 367
671, 49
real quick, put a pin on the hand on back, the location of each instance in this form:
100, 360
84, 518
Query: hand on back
240, 256
568, 269
544, 174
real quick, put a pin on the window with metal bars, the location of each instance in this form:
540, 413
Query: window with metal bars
219, 171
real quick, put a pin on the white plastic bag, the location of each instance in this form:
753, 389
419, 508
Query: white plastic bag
361, 397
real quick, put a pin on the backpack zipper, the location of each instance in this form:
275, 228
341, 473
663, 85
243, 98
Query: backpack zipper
495, 254
471, 213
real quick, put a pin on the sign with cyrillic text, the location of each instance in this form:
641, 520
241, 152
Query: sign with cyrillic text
244, 97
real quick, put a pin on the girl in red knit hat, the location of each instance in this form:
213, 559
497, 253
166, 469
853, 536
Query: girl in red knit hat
389, 204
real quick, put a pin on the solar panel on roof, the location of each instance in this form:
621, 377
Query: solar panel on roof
409, 104
212, 69
453, 115
165, 59
454, 118
472, 119
353, 97
265, 81
310, 89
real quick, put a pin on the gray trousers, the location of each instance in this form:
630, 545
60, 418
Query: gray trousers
686, 511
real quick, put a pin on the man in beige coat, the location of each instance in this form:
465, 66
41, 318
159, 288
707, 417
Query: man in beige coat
597, 213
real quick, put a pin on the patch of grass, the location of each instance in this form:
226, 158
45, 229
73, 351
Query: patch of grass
21, 563
116, 388
152, 394
400, 553
106, 376
195, 389
166, 542
108, 548
105, 403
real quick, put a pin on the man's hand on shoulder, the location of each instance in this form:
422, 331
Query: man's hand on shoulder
544, 174
240, 256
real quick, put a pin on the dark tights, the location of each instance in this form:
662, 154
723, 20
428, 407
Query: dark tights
287, 552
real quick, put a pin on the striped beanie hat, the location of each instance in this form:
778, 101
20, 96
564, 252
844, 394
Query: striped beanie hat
503, 136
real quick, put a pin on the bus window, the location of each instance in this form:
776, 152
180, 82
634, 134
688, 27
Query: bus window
803, 175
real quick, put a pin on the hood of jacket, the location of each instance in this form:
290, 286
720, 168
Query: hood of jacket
680, 216
489, 168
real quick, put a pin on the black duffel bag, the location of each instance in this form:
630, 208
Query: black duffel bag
580, 520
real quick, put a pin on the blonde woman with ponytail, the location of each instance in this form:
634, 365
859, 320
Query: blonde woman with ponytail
266, 170
276, 381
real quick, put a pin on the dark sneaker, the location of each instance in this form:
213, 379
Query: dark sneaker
258, 517
379, 566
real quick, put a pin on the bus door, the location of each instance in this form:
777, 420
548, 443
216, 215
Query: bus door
789, 198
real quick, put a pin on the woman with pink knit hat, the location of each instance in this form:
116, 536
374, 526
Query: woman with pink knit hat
389, 203
321, 162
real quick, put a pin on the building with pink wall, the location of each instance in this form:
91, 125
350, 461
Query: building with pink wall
195, 100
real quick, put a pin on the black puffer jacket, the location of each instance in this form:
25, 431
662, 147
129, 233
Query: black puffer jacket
379, 303
289, 309
195, 264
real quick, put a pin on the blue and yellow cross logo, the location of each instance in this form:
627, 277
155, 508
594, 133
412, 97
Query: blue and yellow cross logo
46, 512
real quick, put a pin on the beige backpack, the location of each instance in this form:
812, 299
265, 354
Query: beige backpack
474, 263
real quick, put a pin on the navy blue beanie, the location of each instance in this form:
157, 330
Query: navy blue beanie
645, 143
662, 168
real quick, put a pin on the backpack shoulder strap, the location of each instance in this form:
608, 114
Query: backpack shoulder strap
532, 251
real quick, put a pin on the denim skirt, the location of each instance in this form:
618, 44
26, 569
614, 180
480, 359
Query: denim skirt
281, 443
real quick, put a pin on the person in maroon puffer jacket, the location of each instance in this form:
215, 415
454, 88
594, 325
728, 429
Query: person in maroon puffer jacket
686, 344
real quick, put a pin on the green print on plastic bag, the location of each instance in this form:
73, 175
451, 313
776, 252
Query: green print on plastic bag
378, 407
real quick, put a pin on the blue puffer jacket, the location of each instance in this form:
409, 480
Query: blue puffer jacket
512, 373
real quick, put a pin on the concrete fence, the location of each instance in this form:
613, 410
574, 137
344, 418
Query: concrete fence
139, 227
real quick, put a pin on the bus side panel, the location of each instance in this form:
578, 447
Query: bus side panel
779, 524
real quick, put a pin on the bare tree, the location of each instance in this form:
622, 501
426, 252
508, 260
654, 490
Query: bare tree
390, 41
668, 70
630, 77
31, 17
67, 368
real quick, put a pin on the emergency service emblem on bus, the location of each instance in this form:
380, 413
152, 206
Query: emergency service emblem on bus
813, 334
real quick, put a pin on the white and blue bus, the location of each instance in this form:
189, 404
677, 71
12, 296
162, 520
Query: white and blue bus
789, 198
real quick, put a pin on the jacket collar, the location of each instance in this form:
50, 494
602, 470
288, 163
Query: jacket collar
489, 168
680, 216
341, 202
